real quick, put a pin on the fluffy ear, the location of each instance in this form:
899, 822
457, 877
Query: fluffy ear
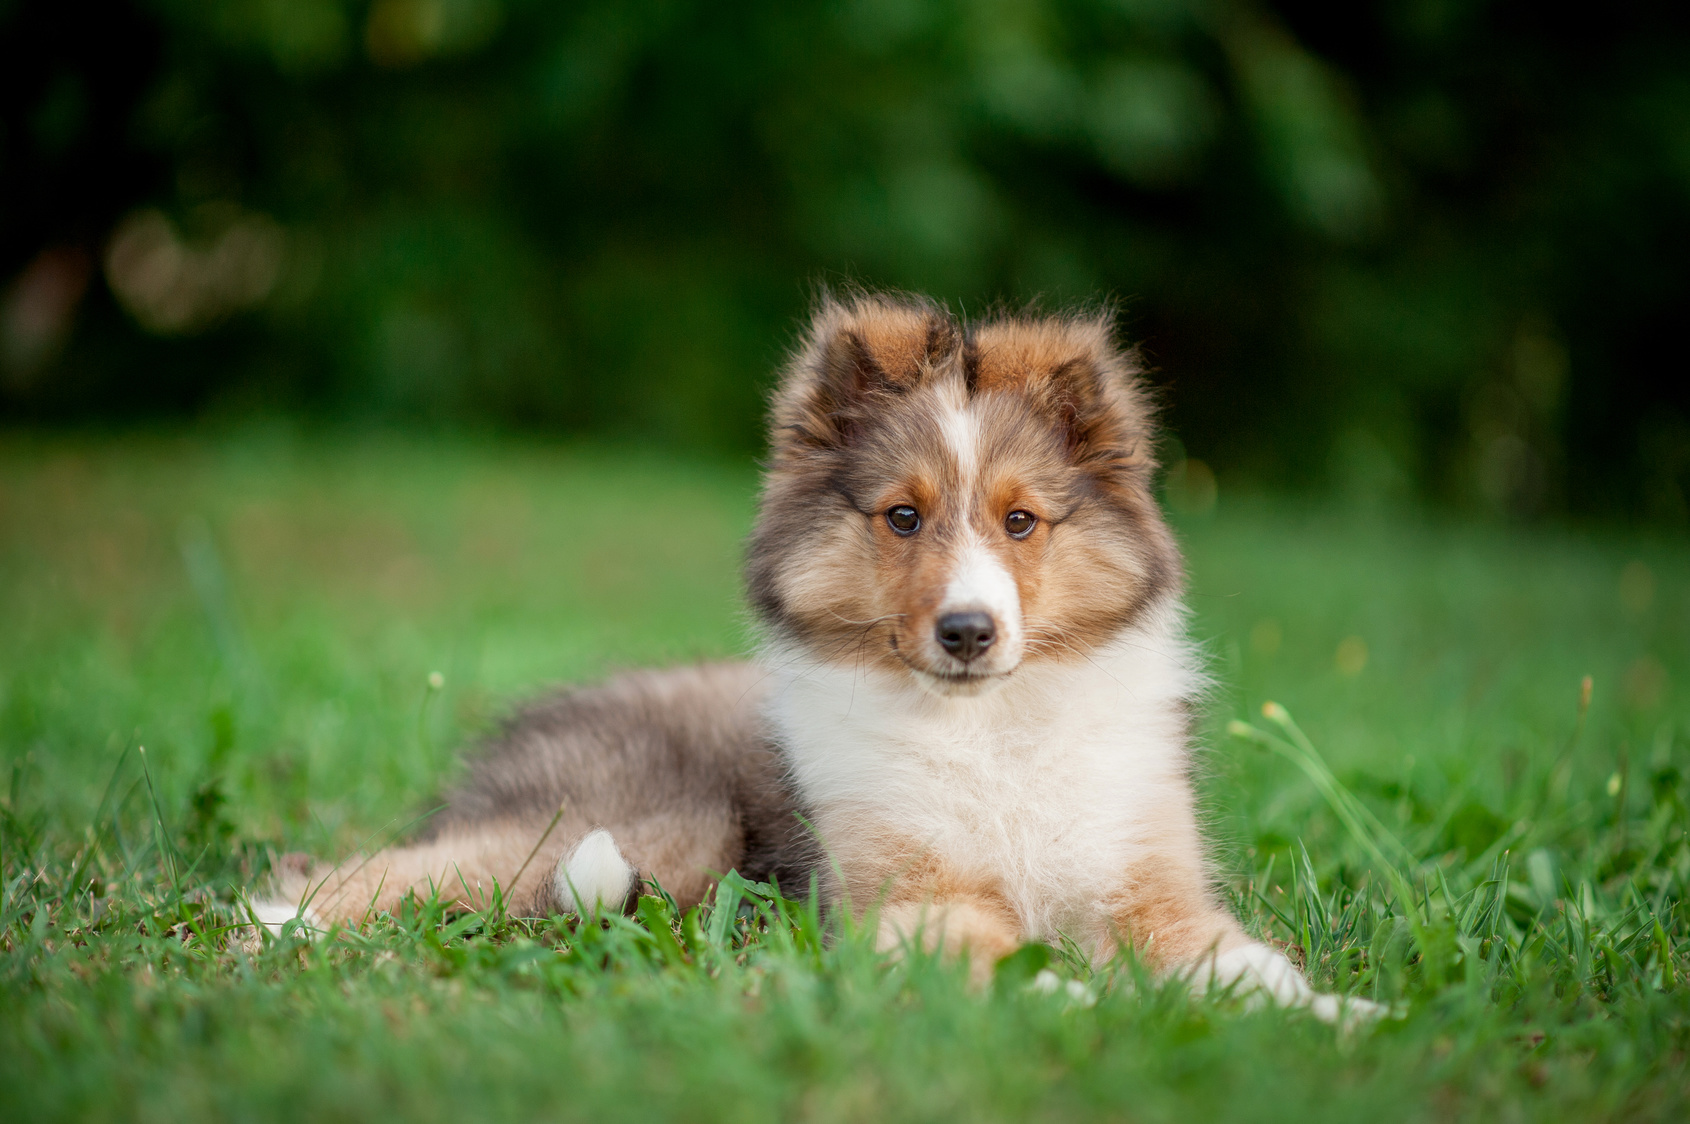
856, 351
1072, 367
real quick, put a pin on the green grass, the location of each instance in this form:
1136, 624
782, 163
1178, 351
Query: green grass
1456, 835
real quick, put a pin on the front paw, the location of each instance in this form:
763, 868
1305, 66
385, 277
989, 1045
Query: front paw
955, 929
1260, 973
1256, 969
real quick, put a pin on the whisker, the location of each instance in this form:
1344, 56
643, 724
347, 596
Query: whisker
1061, 636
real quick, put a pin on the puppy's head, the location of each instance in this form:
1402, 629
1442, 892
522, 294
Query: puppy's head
952, 502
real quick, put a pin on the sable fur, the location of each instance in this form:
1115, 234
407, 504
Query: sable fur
858, 421
1034, 785
677, 765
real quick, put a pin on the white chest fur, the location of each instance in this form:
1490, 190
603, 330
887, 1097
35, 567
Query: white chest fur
1050, 786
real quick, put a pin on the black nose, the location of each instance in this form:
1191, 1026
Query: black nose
965, 635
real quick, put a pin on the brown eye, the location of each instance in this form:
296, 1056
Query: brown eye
1019, 524
903, 519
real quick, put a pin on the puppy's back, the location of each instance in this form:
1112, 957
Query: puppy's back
676, 764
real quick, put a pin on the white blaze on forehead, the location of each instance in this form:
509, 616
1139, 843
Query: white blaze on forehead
980, 580
962, 436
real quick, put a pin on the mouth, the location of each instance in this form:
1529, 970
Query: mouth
959, 686
953, 684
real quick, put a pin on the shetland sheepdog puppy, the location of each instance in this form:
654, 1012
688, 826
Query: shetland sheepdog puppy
971, 714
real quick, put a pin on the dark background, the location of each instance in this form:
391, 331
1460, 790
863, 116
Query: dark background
1412, 250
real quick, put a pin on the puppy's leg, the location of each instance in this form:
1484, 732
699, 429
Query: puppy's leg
578, 866
920, 897
1165, 909
960, 924
461, 866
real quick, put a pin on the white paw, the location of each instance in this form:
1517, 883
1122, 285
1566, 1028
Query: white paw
274, 915
594, 876
1347, 1011
1048, 982
1261, 973
1256, 969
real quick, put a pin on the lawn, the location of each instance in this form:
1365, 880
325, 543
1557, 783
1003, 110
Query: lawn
305, 633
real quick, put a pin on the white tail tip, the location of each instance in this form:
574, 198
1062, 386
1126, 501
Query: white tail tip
594, 876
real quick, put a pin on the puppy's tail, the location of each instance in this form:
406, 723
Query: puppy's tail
594, 876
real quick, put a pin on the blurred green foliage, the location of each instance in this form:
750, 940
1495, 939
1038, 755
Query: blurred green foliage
1414, 247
